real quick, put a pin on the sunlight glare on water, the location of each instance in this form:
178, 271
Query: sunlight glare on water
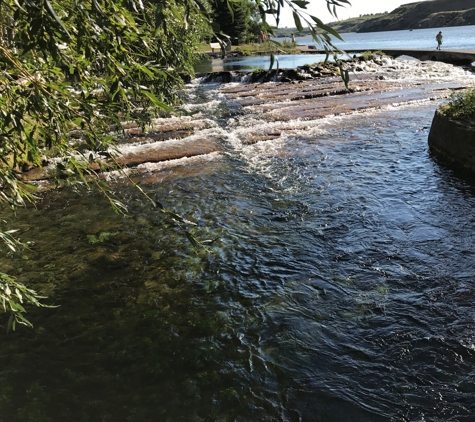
337, 282
355, 274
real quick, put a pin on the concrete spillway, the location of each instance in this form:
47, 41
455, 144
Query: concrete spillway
459, 57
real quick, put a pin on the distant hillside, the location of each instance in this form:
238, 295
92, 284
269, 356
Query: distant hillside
354, 24
423, 14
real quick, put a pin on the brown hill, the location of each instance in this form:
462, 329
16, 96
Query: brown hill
423, 14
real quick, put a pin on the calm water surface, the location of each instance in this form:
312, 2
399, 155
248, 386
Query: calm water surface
338, 286
457, 37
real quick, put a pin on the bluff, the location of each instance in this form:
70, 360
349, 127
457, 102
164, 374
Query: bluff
423, 14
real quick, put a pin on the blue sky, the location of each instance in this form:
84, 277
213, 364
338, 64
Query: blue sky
358, 7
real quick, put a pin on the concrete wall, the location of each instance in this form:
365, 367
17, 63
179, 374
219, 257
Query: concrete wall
452, 140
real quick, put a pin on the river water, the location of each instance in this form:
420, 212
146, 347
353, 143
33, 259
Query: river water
457, 37
335, 282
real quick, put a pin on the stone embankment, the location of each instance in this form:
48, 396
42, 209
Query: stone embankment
453, 141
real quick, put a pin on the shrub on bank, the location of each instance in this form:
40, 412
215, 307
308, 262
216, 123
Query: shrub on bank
286, 47
461, 105
372, 55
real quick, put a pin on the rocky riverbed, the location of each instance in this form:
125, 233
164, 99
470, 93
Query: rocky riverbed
292, 99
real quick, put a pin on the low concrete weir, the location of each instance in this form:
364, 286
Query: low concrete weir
458, 57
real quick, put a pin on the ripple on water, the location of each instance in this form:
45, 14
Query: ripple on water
339, 286
382, 248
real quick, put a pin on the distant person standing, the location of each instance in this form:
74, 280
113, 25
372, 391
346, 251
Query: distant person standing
438, 37
262, 37
292, 37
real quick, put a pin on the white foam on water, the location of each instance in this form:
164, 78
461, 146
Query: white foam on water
109, 176
260, 156
203, 108
205, 101
151, 167
160, 121
415, 70
246, 127
143, 147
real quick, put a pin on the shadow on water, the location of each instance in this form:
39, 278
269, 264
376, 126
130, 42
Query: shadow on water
340, 287
134, 336
466, 176
147, 328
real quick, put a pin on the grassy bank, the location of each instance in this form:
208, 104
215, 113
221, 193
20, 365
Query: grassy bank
461, 106
267, 47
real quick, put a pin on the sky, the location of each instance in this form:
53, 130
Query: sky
319, 9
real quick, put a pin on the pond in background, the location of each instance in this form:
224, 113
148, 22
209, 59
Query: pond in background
458, 37
286, 61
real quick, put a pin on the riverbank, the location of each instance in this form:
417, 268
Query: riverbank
453, 141
422, 14
256, 49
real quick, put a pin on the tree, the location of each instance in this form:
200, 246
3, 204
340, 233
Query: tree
84, 67
242, 22
126, 58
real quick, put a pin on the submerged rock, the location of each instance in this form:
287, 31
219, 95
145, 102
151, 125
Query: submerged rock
218, 77
301, 73
286, 100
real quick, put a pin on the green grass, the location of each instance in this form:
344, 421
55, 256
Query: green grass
461, 106
285, 47
371, 55
267, 47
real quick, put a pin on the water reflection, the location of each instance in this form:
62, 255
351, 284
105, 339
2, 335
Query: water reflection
459, 37
287, 61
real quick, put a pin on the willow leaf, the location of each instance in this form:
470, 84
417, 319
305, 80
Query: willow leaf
156, 101
297, 21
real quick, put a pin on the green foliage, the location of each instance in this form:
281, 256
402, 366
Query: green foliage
371, 55
13, 296
285, 47
72, 71
288, 45
82, 68
461, 106
76, 69
236, 19
345, 74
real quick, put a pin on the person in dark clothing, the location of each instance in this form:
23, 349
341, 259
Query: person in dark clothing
438, 37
